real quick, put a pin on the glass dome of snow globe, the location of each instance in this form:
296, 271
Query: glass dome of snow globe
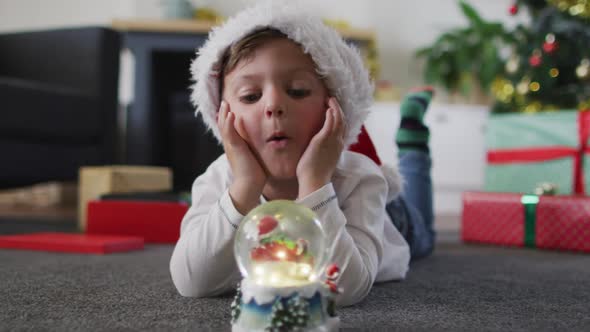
281, 244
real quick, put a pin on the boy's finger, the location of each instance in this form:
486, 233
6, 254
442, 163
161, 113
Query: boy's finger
219, 116
343, 123
338, 117
222, 114
332, 102
336, 114
228, 119
230, 129
328, 123
238, 126
337, 122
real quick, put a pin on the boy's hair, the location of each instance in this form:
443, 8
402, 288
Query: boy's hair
244, 49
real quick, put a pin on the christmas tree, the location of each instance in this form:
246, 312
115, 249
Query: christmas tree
236, 304
549, 65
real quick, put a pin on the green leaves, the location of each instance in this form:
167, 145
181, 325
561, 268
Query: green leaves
473, 17
462, 57
490, 64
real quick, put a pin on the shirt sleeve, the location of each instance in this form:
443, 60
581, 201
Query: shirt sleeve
354, 224
203, 263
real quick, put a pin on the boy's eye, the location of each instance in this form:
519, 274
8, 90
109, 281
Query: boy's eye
299, 93
250, 98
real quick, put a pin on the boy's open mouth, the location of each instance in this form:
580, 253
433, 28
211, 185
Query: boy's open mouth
277, 137
278, 140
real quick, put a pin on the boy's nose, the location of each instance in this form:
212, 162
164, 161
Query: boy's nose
274, 111
274, 103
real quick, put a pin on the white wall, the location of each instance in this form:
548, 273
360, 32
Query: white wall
39, 14
457, 145
401, 26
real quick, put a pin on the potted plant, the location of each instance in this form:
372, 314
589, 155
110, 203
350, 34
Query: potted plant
466, 60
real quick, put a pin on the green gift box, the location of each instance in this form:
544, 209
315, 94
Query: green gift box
525, 150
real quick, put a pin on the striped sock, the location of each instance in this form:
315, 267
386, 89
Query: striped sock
412, 133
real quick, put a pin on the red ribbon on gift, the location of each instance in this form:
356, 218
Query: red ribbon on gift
529, 155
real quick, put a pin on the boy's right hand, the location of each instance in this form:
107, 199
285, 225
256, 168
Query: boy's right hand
249, 175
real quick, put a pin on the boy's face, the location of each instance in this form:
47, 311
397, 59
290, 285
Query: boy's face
281, 102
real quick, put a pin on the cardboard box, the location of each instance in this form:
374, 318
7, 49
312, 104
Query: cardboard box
96, 181
41, 195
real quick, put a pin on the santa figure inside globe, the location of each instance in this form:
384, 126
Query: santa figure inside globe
281, 245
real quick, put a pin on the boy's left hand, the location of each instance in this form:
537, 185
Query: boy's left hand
317, 164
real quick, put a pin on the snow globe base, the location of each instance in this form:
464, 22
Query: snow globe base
306, 307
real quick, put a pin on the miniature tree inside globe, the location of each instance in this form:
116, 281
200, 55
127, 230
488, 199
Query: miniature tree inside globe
281, 244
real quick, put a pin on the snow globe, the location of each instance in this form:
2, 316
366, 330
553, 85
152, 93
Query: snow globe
288, 284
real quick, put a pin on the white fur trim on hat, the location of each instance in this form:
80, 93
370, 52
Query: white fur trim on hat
337, 62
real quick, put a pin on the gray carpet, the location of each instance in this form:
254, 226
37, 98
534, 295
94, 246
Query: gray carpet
471, 288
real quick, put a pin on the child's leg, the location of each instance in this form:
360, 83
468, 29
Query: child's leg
414, 208
417, 198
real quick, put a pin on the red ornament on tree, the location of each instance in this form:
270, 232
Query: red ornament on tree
535, 60
550, 45
513, 9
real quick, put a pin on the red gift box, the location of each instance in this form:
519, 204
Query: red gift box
156, 222
549, 222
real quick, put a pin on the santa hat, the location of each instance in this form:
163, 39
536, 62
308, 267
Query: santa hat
338, 63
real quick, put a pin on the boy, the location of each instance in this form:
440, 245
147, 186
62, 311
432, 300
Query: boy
286, 96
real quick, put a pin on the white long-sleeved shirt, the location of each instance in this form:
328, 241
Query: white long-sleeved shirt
369, 248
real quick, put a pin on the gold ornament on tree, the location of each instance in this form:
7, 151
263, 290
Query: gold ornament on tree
502, 89
523, 86
535, 86
584, 105
512, 64
583, 70
533, 107
579, 8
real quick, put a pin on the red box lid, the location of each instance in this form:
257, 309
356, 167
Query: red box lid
73, 243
